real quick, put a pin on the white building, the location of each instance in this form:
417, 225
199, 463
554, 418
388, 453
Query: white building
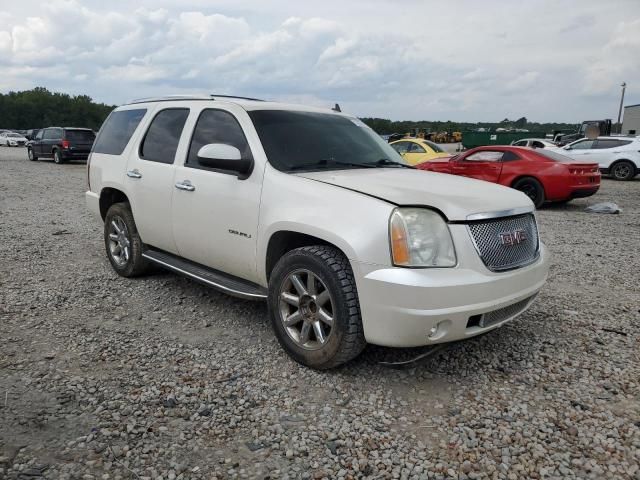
631, 120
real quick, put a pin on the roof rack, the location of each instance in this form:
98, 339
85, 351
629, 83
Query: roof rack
166, 98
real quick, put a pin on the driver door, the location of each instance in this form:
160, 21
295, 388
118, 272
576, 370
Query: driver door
483, 165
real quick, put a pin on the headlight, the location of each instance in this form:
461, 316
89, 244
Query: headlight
420, 238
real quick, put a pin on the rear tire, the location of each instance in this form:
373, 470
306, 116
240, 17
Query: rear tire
623, 170
532, 188
31, 155
319, 323
57, 158
122, 241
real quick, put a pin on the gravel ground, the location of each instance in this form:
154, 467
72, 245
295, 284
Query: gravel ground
160, 378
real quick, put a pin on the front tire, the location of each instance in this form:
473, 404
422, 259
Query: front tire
532, 188
623, 170
122, 241
314, 307
31, 155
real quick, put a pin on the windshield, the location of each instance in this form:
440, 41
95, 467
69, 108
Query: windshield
80, 135
14, 135
320, 141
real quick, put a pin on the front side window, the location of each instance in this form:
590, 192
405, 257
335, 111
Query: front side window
217, 126
485, 156
536, 144
401, 147
117, 130
415, 148
161, 141
296, 140
582, 145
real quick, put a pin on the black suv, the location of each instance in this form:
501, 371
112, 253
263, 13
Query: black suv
61, 144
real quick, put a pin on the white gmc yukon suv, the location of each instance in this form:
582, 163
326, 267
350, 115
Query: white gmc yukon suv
311, 210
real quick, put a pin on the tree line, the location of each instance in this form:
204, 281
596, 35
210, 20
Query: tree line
40, 108
386, 126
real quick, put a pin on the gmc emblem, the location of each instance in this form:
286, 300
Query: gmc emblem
515, 237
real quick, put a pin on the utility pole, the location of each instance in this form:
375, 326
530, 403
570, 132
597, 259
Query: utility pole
624, 86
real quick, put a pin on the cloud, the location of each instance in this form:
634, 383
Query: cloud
425, 60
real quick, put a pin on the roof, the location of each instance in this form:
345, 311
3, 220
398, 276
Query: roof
245, 102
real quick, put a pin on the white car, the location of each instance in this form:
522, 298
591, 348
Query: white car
617, 156
11, 139
533, 143
312, 211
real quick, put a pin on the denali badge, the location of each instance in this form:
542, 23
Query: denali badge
513, 238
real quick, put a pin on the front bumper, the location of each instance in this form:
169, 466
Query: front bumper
400, 306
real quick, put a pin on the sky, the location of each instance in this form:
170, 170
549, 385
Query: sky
459, 60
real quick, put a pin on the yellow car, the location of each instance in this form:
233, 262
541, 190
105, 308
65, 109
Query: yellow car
418, 150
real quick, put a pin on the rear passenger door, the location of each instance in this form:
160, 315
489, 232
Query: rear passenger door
52, 137
606, 150
215, 221
149, 177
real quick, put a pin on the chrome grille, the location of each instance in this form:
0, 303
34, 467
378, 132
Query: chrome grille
496, 242
501, 314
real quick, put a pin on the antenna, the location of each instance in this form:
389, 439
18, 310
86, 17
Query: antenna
336, 108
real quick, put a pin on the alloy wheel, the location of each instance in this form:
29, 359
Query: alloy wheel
306, 309
622, 171
119, 242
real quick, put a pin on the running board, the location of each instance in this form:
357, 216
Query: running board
226, 283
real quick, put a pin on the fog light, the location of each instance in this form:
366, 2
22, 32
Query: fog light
434, 331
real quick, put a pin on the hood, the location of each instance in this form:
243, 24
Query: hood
456, 197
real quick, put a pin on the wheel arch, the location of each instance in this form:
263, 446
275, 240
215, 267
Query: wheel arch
109, 196
636, 167
283, 241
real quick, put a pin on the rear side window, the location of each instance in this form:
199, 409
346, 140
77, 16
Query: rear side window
79, 135
52, 134
434, 147
606, 143
117, 131
162, 138
217, 126
509, 156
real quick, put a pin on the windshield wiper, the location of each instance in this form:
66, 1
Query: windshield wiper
385, 162
324, 161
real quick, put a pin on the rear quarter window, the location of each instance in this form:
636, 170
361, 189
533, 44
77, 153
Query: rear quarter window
117, 131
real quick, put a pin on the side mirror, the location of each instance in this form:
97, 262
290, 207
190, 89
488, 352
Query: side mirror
225, 157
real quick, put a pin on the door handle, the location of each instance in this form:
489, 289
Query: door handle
134, 174
185, 185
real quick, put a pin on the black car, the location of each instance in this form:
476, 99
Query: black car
61, 144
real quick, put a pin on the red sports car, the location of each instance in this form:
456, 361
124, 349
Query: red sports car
545, 176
